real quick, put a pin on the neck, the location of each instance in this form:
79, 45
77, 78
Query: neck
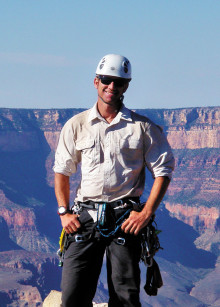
108, 111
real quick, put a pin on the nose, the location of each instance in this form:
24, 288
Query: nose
112, 85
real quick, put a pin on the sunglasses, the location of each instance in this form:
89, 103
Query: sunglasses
117, 82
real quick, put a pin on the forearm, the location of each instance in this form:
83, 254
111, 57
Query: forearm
138, 220
62, 189
157, 193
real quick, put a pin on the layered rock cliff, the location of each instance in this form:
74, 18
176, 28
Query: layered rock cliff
193, 133
28, 139
186, 128
199, 217
26, 278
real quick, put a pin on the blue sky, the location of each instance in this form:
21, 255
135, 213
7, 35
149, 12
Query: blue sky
50, 49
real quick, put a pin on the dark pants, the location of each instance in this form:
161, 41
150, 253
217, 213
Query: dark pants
82, 267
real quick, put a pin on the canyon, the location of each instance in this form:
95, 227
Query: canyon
31, 227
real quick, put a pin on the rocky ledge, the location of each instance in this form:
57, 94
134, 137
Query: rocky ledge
54, 300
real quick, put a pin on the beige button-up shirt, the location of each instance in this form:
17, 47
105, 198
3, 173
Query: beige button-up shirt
113, 156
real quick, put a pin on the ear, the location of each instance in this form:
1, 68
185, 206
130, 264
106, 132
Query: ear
96, 82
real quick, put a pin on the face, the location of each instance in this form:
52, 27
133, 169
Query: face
110, 93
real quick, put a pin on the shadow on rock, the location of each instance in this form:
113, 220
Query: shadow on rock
177, 240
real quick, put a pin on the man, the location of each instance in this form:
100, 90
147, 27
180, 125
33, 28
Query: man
114, 146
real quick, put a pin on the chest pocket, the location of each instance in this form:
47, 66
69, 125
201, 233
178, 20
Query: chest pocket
129, 148
89, 152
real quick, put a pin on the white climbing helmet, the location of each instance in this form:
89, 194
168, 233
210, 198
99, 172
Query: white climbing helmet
114, 65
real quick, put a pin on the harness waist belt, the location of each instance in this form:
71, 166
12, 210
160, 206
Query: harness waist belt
122, 203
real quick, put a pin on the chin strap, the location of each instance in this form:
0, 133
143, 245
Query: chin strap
120, 100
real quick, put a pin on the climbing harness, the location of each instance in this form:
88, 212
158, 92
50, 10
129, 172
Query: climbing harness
107, 225
150, 246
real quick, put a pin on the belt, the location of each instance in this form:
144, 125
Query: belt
128, 202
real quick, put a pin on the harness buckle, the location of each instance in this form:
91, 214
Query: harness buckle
76, 208
120, 241
79, 238
136, 205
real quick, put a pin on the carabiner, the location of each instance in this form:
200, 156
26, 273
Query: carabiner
79, 238
120, 241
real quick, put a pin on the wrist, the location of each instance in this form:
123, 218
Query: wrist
147, 212
62, 210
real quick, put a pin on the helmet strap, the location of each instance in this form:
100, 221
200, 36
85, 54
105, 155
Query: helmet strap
120, 100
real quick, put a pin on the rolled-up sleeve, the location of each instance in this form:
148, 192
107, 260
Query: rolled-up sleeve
66, 156
159, 158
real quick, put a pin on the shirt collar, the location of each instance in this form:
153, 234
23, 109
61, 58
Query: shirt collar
93, 114
124, 114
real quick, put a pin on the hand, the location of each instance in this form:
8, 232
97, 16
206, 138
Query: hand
70, 222
135, 222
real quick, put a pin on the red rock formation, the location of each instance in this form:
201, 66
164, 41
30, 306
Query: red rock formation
24, 277
192, 129
21, 222
52, 138
197, 137
200, 218
193, 195
19, 218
